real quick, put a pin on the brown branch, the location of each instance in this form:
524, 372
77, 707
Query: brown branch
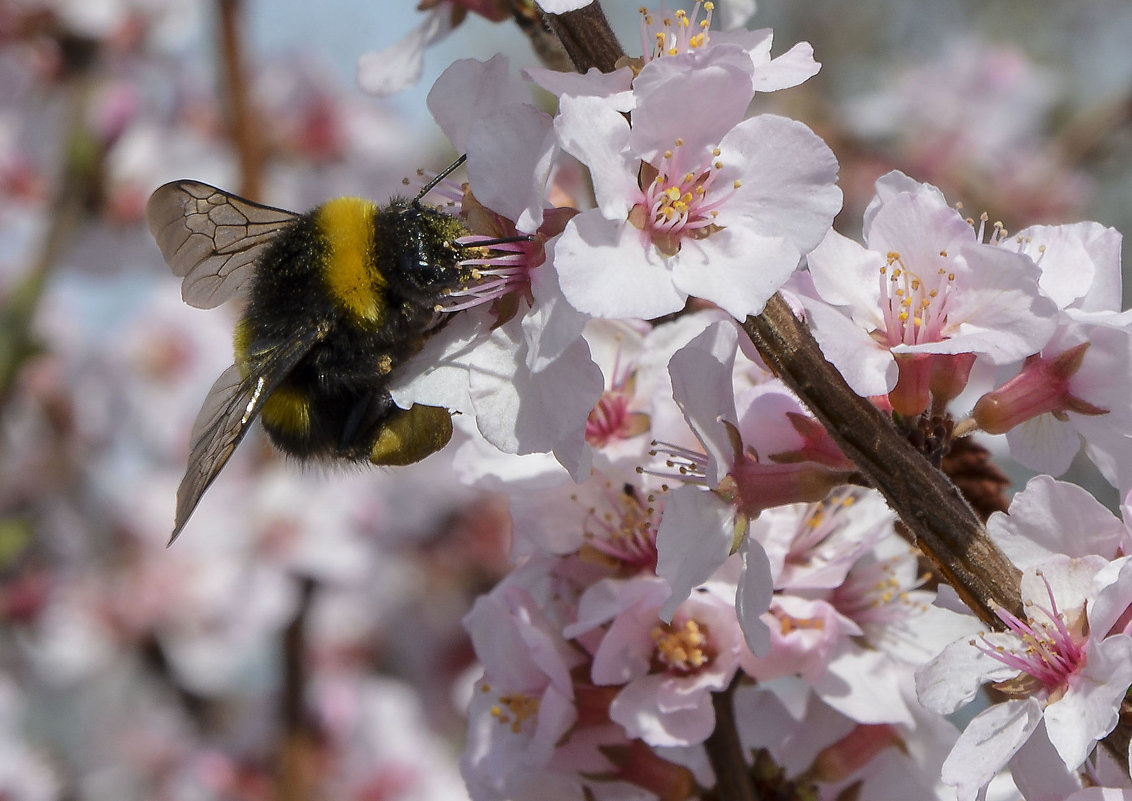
587, 38
725, 752
298, 742
244, 128
940, 521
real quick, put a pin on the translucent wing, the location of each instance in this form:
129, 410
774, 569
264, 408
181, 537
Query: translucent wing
210, 238
228, 411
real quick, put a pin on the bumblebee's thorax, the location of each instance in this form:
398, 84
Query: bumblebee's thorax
349, 265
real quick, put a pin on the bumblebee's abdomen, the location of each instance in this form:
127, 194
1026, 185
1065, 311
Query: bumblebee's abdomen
311, 421
289, 411
349, 263
308, 420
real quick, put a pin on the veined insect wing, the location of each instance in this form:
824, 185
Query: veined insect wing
231, 405
210, 238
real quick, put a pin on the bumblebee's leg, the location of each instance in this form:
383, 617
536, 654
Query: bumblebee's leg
409, 435
362, 415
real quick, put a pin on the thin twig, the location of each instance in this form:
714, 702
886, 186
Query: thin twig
725, 752
244, 128
297, 742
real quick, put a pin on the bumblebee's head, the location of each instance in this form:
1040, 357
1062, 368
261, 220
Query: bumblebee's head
423, 258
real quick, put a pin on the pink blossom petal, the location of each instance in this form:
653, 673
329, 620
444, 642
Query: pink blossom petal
753, 597
562, 6
735, 268
694, 539
999, 312
1080, 263
1050, 517
635, 709
848, 274
919, 226
509, 160
1038, 771
614, 87
1044, 443
712, 99
610, 269
470, 90
792, 68
954, 677
1088, 710
787, 180
702, 387
988, 743
523, 412
398, 67
598, 136
552, 325
867, 366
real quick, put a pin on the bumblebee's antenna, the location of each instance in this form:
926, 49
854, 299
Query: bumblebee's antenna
451, 168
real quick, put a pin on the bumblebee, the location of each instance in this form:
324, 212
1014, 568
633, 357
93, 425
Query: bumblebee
336, 299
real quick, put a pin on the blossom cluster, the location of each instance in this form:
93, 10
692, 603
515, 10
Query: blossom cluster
692, 554
698, 532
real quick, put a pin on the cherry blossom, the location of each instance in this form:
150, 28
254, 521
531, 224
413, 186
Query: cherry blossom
1060, 666
923, 286
668, 670
725, 208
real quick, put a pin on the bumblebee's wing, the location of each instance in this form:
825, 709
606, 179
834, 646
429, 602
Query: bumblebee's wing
228, 411
210, 238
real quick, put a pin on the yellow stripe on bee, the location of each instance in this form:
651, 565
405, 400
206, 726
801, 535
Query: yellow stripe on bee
351, 274
288, 410
241, 344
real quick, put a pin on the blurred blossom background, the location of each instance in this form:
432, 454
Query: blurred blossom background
303, 639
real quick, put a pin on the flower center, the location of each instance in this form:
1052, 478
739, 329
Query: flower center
679, 33
499, 270
874, 592
626, 531
822, 522
611, 417
513, 709
1048, 652
682, 200
682, 648
914, 306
